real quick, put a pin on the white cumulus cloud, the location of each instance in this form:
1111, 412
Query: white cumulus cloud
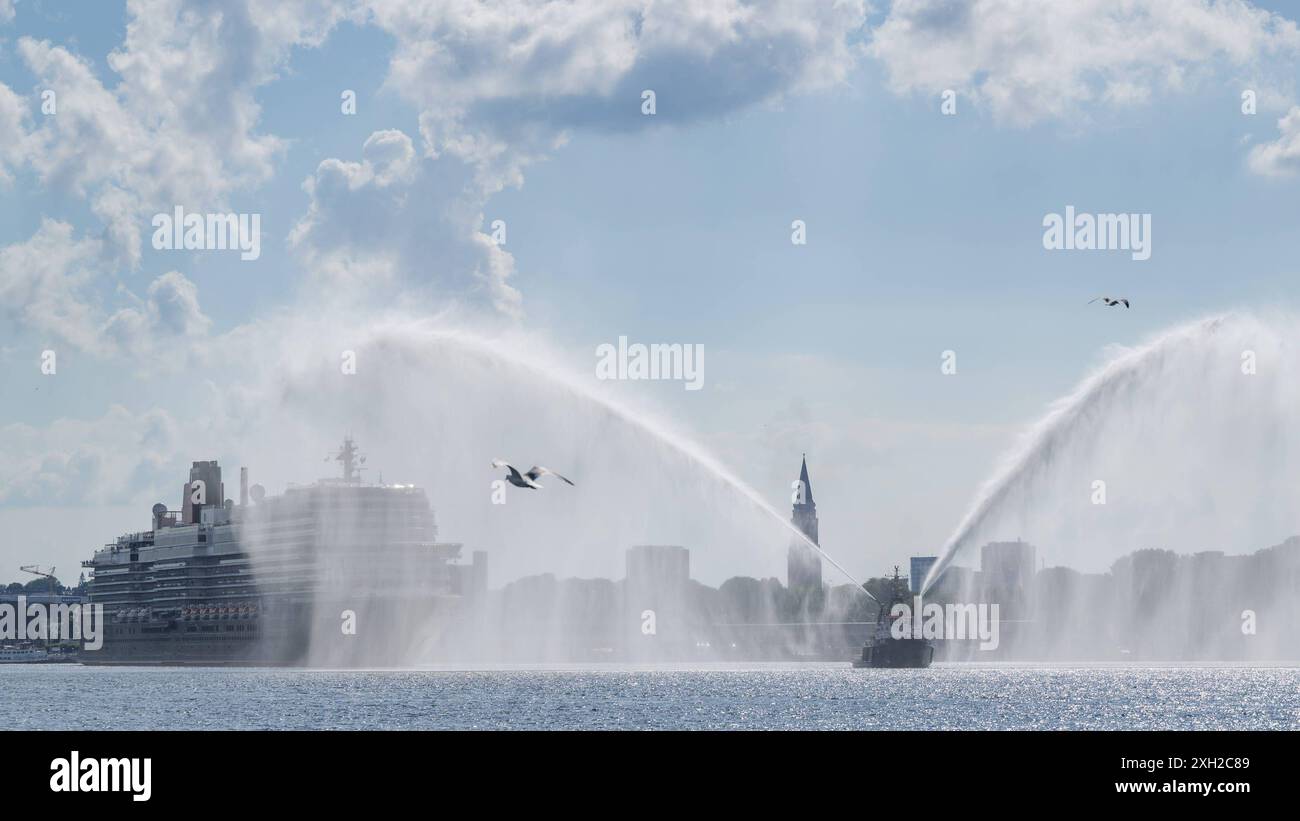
51, 285
1281, 157
109, 459
499, 83
1027, 60
13, 133
391, 223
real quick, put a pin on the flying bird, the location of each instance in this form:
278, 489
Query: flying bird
529, 479
1110, 303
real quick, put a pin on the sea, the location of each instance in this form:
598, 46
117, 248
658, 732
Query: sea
620, 697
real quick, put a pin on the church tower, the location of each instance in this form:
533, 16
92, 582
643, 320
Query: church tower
803, 564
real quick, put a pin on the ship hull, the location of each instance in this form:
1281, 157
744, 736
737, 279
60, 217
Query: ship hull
179, 643
333, 632
897, 653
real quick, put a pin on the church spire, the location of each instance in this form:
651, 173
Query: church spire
807, 485
803, 565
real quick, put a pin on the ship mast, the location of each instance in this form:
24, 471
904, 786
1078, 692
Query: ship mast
352, 460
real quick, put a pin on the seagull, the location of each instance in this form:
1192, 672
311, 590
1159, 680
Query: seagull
1110, 303
529, 479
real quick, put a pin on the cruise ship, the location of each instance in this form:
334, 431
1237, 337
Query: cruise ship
338, 573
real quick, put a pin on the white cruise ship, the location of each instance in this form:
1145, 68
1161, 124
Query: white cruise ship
336, 573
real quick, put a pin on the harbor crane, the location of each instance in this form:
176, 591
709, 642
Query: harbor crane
35, 570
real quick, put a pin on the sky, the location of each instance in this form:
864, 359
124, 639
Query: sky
924, 235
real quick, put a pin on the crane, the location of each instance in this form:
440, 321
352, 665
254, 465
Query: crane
35, 570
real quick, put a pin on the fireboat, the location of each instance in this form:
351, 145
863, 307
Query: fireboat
884, 649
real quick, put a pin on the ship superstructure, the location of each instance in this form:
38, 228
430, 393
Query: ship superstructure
337, 572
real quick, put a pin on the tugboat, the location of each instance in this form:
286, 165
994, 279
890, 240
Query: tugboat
883, 649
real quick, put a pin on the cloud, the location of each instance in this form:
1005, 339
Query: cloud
1028, 61
6, 11
499, 84
168, 316
177, 128
43, 283
48, 285
174, 305
111, 459
179, 125
1281, 157
389, 224
13, 133
389, 157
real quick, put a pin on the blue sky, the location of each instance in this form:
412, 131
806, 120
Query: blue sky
924, 230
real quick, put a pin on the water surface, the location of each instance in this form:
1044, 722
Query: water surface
752, 696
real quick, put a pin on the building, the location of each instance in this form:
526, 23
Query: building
655, 600
1007, 576
918, 570
803, 563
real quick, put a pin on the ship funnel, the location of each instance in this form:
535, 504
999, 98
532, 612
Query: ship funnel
204, 489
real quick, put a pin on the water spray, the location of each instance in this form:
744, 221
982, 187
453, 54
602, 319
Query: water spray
684, 447
1194, 351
